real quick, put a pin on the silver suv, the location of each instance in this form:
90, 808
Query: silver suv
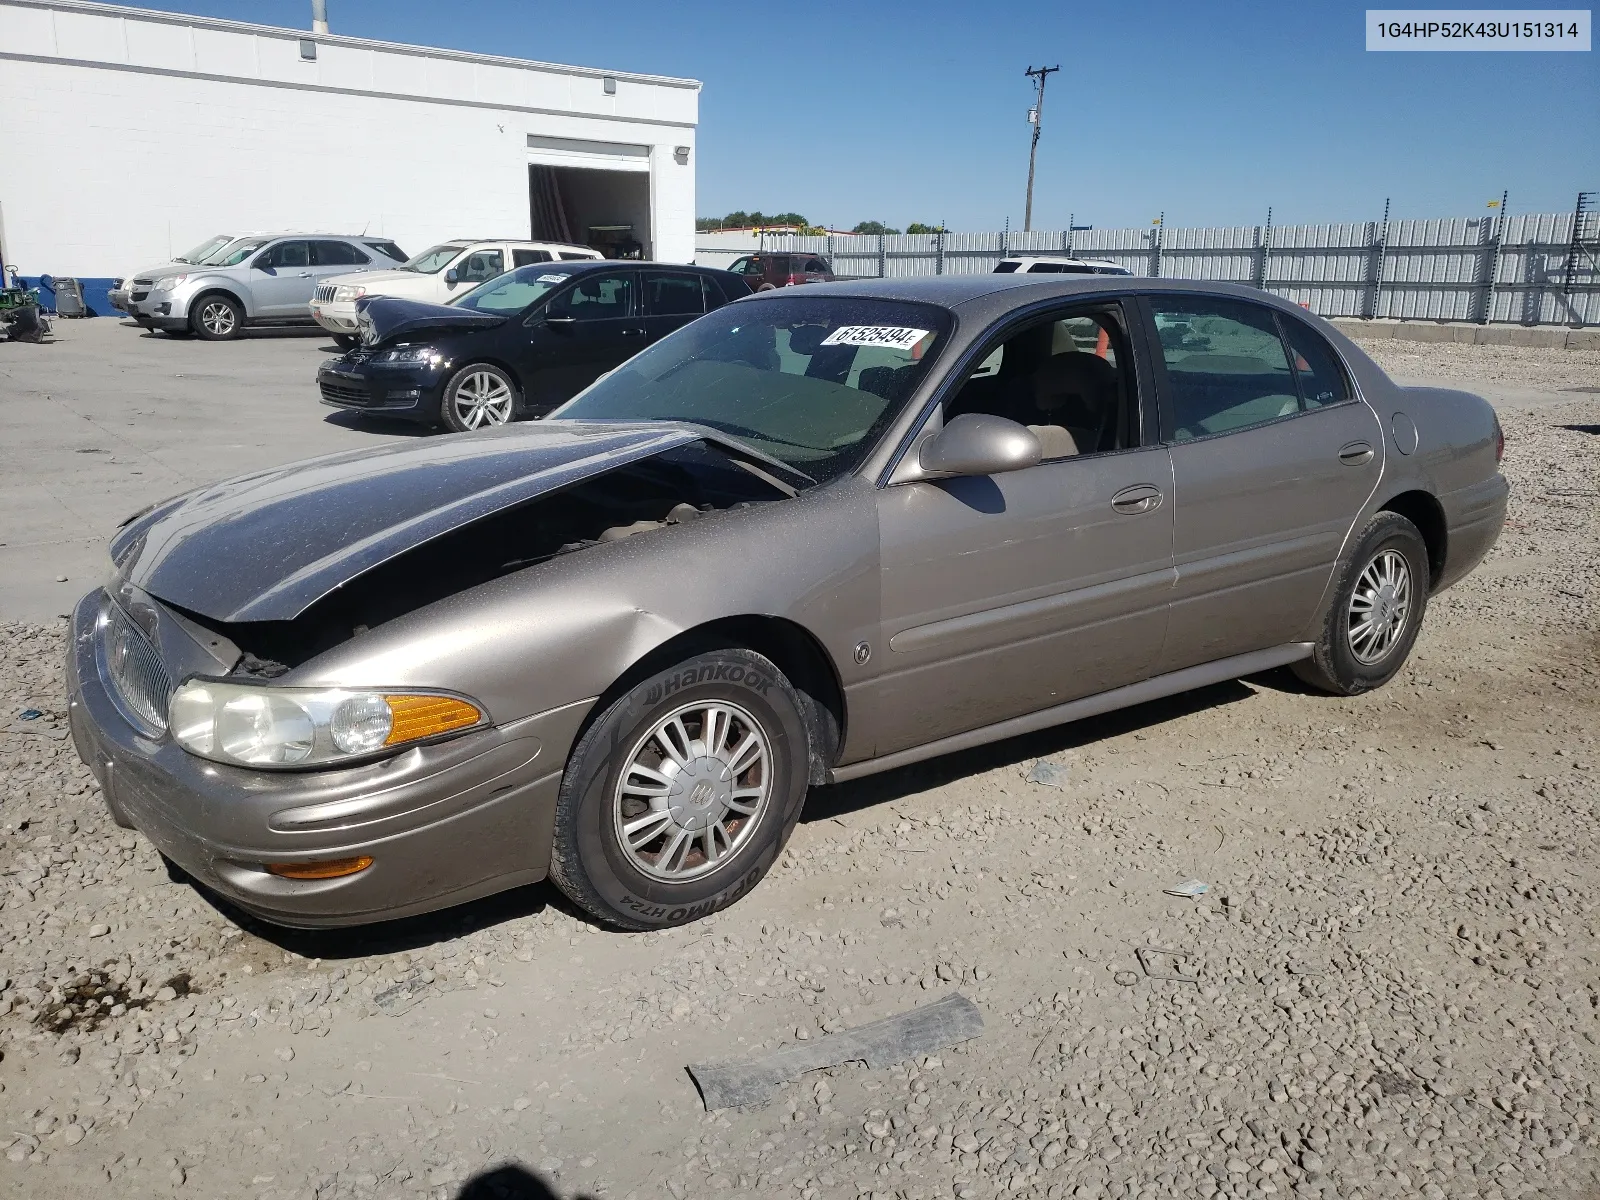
263, 279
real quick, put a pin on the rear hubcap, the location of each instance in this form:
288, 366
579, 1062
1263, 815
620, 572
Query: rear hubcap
1379, 606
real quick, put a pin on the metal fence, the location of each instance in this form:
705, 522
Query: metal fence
1481, 269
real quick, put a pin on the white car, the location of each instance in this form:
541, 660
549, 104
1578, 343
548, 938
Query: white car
1040, 264
436, 276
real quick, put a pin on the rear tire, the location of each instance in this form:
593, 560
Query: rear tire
216, 317
1377, 610
633, 819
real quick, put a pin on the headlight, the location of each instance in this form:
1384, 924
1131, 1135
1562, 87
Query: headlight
348, 291
167, 282
411, 354
256, 726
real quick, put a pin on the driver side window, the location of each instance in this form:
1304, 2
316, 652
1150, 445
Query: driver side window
596, 296
1068, 378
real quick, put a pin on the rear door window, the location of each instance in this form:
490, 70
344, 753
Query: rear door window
526, 258
671, 294
1316, 368
338, 254
1225, 365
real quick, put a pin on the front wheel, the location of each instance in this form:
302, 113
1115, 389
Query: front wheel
679, 797
1376, 612
216, 318
479, 395
346, 341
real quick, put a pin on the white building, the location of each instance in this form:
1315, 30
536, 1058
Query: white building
127, 136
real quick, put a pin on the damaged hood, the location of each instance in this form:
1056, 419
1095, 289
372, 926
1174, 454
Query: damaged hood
385, 318
265, 547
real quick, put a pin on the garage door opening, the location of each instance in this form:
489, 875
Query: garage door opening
609, 210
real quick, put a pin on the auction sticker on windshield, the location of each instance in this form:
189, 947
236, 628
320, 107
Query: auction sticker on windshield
894, 337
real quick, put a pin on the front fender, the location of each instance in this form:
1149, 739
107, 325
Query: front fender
565, 630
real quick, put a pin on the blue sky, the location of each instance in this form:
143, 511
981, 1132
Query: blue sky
917, 112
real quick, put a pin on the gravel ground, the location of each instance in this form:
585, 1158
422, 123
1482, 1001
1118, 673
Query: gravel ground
1527, 367
1396, 987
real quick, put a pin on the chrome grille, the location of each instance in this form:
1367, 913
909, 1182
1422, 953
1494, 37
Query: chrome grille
132, 671
143, 282
325, 293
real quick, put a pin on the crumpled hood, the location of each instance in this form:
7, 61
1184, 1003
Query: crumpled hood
265, 547
386, 318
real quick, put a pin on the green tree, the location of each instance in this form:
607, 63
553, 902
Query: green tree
873, 227
919, 227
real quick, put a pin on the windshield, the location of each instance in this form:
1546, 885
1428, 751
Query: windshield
205, 249
434, 259
513, 291
235, 253
810, 382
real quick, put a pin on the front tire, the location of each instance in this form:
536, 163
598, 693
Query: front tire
680, 796
216, 318
1377, 609
346, 341
478, 396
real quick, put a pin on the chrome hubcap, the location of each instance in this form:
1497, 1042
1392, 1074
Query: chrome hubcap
483, 399
1379, 606
694, 790
217, 318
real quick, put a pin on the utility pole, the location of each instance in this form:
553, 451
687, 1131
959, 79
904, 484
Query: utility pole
1036, 119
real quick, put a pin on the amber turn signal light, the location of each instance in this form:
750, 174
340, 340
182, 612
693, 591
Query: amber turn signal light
333, 868
424, 716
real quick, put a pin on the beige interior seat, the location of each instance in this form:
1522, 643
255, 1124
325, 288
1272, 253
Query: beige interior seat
1057, 441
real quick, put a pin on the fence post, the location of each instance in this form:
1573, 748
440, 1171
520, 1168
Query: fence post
1263, 249
939, 267
1155, 246
1486, 314
881, 257
1381, 250
1072, 219
1005, 240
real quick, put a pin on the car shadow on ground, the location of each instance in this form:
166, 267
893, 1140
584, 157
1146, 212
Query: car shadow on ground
388, 937
842, 798
510, 1181
368, 423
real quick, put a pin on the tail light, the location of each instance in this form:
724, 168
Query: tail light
794, 279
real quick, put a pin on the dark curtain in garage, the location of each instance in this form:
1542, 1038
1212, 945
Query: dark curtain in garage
549, 213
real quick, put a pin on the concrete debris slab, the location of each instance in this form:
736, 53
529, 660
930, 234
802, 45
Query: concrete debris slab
749, 1084
1189, 889
1049, 774
1159, 963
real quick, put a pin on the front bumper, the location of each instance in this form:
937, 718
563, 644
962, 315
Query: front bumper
335, 317
157, 310
444, 823
392, 391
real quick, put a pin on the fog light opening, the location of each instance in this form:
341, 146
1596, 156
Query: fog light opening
333, 868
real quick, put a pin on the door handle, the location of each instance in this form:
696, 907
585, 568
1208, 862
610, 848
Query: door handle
1356, 454
633, 333
304, 275
1140, 498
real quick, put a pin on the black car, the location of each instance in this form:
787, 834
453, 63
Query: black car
518, 345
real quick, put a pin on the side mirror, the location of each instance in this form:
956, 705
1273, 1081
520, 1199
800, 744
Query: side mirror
451, 278
980, 444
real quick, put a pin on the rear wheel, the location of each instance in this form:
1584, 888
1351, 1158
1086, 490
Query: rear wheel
216, 318
1376, 612
680, 796
479, 395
